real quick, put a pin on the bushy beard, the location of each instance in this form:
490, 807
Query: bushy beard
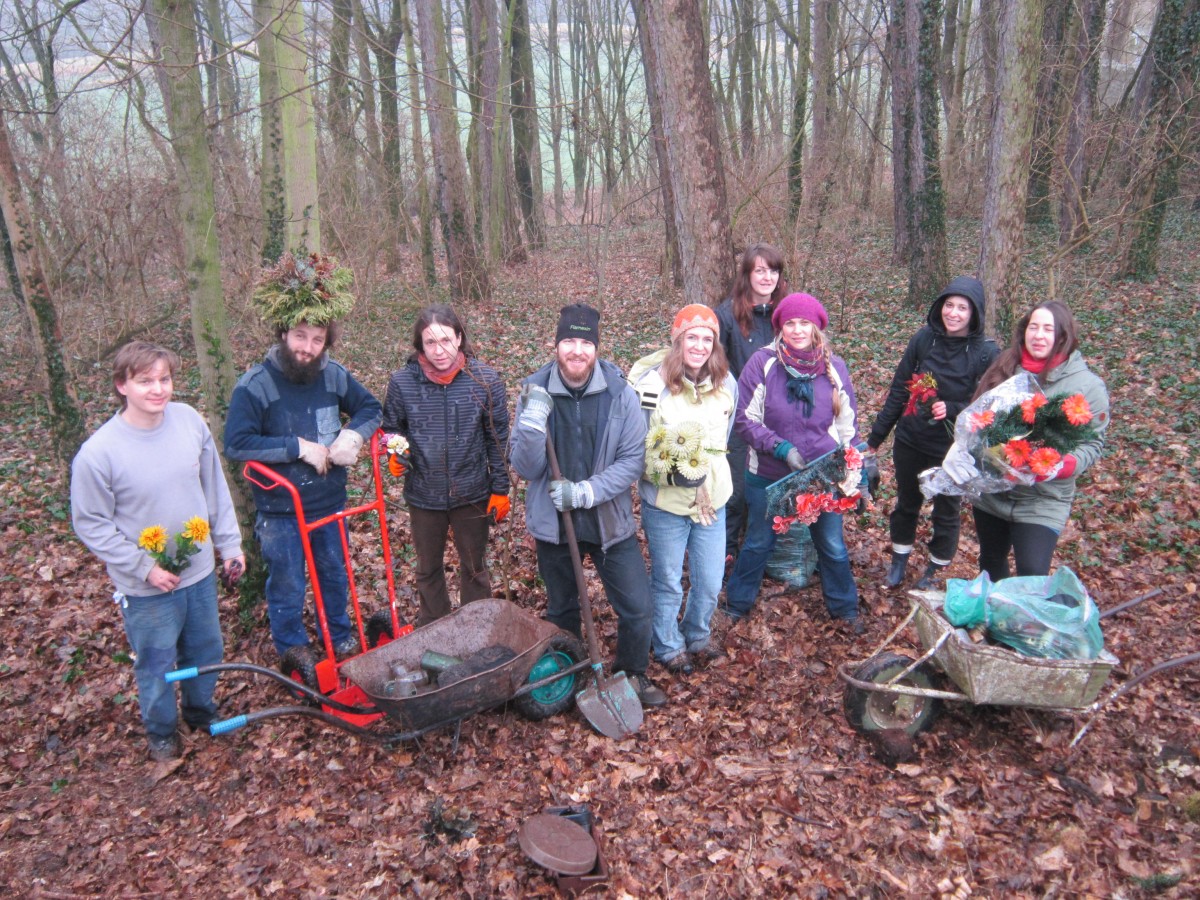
296, 371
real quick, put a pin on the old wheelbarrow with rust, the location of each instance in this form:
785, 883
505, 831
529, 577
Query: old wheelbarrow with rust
486, 653
893, 691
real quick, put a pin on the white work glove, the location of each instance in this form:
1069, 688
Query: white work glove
316, 455
959, 465
795, 461
344, 449
568, 495
535, 407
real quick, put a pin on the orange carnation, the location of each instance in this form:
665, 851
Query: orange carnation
1077, 410
1017, 452
1042, 460
981, 420
1030, 407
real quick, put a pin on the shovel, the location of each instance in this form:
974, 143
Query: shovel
610, 704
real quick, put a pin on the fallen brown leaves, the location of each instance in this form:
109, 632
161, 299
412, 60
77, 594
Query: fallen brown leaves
749, 783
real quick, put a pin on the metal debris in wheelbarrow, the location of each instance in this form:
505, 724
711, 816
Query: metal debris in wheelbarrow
469, 629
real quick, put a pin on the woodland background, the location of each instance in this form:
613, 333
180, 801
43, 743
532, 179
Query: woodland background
511, 157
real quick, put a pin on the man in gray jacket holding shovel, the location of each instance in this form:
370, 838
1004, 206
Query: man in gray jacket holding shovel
595, 421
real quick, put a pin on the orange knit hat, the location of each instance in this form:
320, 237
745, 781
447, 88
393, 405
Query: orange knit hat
695, 315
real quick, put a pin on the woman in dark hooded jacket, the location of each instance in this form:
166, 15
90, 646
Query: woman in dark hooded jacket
952, 348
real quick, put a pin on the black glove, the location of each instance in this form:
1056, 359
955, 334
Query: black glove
678, 480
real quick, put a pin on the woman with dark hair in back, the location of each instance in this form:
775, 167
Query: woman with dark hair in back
745, 320
453, 410
1028, 519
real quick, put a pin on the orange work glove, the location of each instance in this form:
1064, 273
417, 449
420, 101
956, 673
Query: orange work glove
499, 506
396, 465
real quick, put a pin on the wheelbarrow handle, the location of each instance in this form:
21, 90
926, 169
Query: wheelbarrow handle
227, 725
182, 674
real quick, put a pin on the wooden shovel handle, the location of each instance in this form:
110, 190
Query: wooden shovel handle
585, 604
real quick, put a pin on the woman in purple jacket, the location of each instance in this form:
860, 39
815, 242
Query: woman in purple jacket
795, 404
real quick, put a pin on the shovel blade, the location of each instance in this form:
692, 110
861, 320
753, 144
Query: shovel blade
611, 705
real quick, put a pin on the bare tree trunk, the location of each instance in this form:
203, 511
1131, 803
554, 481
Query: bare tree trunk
272, 188
223, 82
824, 37
1174, 49
799, 111
197, 211
483, 42
876, 136
424, 200
954, 122
746, 44
66, 418
291, 163
556, 107
1003, 239
338, 114
580, 100
527, 161
384, 39
650, 67
366, 84
469, 279
917, 162
1047, 118
1085, 69
693, 147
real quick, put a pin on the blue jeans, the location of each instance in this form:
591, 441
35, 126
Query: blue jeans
669, 536
833, 560
279, 538
168, 631
623, 574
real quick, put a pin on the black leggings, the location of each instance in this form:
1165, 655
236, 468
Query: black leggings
1032, 546
909, 463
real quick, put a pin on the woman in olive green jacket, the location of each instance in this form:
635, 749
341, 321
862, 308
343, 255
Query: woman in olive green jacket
1029, 519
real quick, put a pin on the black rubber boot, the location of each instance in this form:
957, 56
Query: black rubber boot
929, 581
895, 572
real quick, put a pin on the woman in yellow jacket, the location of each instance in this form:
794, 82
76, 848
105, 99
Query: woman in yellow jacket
688, 396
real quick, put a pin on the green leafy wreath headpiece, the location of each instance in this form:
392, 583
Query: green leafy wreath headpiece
310, 288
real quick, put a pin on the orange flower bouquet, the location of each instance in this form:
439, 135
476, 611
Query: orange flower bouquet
1013, 434
828, 484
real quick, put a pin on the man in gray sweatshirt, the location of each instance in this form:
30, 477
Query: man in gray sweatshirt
149, 498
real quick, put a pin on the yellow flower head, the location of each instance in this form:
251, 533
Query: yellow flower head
196, 529
153, 539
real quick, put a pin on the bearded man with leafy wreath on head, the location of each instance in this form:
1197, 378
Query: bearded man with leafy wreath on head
302, 413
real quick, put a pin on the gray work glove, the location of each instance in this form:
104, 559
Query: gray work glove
568, 495
959, 465
344, 449
316, 455
794, 460
535, 407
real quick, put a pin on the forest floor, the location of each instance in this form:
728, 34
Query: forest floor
749, 783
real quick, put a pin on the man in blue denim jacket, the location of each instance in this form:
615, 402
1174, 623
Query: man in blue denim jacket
307, 417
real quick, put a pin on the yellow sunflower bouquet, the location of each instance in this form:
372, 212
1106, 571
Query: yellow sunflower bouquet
154, 539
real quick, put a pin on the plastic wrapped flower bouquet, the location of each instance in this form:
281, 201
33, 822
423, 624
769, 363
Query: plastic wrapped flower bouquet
1013, 434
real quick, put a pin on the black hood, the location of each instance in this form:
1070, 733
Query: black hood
962, 286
